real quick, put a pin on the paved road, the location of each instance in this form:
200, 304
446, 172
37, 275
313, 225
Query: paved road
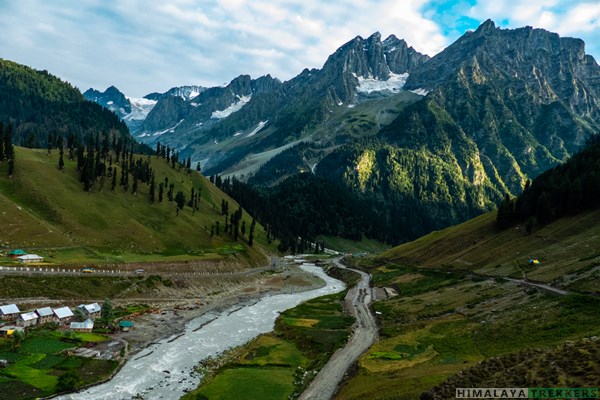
326, 382
45, 270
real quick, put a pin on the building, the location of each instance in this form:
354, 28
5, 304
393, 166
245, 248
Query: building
85, 326
8, 330
90, 311
30, 258
45, 315
9, 312
126, 325
16, 253
63, 315
27, 319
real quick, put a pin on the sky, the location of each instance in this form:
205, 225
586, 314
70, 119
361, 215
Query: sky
144, 46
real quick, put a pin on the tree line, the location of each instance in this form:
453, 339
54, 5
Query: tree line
299, 209
566, 189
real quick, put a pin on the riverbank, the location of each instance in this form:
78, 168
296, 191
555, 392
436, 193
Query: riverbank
171, 316
167, 368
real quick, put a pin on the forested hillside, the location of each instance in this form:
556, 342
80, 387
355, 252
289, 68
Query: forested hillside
42, 108
566, 189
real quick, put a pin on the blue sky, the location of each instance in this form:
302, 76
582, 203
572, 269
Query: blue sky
143, 46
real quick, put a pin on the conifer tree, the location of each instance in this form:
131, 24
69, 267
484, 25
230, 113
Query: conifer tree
180, 201
161, 188
1, 142
113, 182
61, 162
134, 186
151, 190
9, 151
11, 166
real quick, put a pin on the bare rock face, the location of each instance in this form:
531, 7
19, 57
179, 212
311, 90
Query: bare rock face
111, 98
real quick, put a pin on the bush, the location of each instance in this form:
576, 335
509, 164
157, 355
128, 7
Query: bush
68, 381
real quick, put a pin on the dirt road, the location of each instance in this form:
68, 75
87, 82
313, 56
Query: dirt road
365, 333
542, 286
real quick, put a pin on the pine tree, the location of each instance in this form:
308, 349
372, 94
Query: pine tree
151, 190
180, 201
11, 166
80, 158
198, 166
1, 142
113, 182
161, 188
251, 233
170, 192
506, 212
61, 162
9, 151
134, 186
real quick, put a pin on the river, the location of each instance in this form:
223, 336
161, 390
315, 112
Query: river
165, 370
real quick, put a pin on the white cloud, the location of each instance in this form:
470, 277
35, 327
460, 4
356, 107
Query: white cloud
143, 46
564, 17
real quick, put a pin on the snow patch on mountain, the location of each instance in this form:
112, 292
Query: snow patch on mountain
235, 106
172, 129
420, 92
139, 108
394, 84
260, 125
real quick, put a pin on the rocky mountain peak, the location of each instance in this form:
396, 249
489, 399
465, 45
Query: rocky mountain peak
487, 26
373, 58
112, 98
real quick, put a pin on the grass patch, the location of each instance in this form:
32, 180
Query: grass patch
250, 383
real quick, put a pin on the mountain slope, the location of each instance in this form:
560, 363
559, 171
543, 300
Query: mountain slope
474, 311
47, 210
565, 241
502, 107
40, 105
227, 127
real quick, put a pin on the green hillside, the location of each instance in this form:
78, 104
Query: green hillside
458, 319
45, 210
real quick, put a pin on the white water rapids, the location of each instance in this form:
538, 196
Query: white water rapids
165, 370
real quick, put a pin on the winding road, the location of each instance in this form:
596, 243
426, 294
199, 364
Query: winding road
326, 382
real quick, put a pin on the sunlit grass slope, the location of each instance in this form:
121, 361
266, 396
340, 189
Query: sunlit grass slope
45, 209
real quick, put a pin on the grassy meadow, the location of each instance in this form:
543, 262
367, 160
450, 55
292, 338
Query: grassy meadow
455, 311
46, 211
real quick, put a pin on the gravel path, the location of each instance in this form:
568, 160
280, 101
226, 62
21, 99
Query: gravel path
326, 382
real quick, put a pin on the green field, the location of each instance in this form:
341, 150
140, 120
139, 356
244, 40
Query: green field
46, 211
36, 366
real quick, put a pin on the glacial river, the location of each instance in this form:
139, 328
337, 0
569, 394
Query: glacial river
165, 370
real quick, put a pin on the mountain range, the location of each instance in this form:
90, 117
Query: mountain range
428, 142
